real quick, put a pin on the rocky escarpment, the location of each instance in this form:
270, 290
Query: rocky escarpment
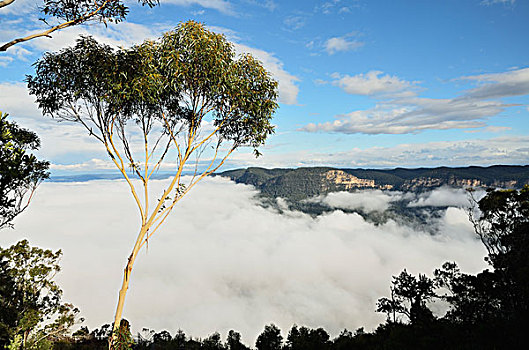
301, 183
339, 180
429, 182
344, 181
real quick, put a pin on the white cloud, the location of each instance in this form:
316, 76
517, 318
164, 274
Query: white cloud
484, 152
403, 112
92, 165
417, 115
294, 22
497, 129
367, 200
220, 5
371, 83
57, 139
271, 5
342, 44
339, 6
27, 22
230, 34
493, 2
499, 85
15, 100
223, 262
4, 61
21, 7
445, 197
117, 35
379, 201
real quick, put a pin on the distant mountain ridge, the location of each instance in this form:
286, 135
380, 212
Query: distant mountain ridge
301, 183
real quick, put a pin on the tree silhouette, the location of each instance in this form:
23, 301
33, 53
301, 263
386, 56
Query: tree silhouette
269, 339
409, 295
233, 341
307, 339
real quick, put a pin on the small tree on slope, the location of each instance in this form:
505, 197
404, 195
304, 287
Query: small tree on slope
182, 96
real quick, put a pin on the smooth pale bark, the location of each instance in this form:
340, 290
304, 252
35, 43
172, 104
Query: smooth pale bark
125, 284
5, 3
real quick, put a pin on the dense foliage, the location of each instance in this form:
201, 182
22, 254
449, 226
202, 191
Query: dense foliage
31, 312
20, 171
167, 88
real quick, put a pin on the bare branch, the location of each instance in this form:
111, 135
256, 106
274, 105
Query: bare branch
5, 3
121, 167
63, 25
165, 213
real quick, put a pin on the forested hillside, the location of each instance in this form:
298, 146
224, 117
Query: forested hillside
300, 183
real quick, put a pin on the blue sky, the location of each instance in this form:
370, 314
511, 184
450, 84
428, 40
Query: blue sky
362, 83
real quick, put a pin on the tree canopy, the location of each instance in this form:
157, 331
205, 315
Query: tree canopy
20, 171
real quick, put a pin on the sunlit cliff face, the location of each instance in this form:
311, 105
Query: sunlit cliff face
222, 261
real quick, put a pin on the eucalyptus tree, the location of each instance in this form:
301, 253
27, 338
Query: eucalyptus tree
184, 98
68, 13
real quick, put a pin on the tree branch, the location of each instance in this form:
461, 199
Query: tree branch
47, 33
165, 213
5, 3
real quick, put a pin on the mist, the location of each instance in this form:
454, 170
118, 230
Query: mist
365, 200
223, 261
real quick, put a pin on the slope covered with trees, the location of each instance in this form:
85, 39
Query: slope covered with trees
301, 183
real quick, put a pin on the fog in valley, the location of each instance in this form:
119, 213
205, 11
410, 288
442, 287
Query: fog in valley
224, 261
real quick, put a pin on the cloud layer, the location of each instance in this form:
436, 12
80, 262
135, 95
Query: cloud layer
224, 262
484, 152
400, 111
366, 201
